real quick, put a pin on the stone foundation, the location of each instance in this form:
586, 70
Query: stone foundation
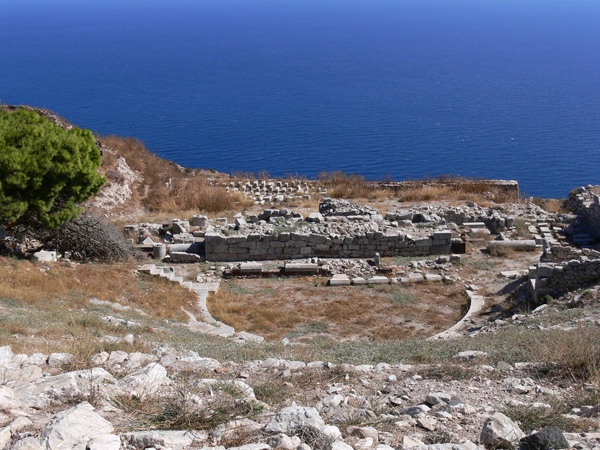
257, 247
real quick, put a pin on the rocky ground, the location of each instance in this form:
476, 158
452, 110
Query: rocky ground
180, 400
176, 398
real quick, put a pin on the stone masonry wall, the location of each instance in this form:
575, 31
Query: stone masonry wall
583, 201
550, 277
257, 247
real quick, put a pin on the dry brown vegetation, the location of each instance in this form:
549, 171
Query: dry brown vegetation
552, 205
445, 187
342, 185
166, 186
574, 354
298, 308
62, 286
451, 187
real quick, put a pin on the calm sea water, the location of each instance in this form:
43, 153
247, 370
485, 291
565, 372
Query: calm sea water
407, 88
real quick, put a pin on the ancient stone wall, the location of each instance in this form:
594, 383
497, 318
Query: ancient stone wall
257, 247
550, 278
585, 202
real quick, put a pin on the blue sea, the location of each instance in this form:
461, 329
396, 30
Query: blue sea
401, 88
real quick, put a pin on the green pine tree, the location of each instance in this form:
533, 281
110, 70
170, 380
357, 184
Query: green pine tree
45, 171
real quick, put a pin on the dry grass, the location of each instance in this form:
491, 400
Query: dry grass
574, 354
166, 186
195, 194
552, 205
445, 187
23, 282
342, 185
181, 410
303, 308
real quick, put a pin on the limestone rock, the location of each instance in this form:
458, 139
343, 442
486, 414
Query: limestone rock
292, 418
498, 430
236, 427
176, 440
145, 381
363, 432
44, 256
104, 442
191, 363
59, 359
28, 443
340, 445
284, 442
46, 391
74, 427
435, 398
252, 447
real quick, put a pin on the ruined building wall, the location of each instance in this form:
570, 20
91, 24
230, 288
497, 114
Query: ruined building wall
257, 247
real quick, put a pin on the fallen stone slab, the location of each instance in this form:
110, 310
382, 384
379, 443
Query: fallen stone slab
474, 225
433, 277
184, 258
339, 280
513, 274
251, 268
358, 281
378, 280
415, 277
301, 268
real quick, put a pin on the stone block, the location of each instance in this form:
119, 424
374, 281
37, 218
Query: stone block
339, 280
44, 256
423, 242
317, 239
442, 235
181, 226
378, 280
181, 257
301, 268
358, 281
199, 221
415, 277
213, 237
474, 225
433, 277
